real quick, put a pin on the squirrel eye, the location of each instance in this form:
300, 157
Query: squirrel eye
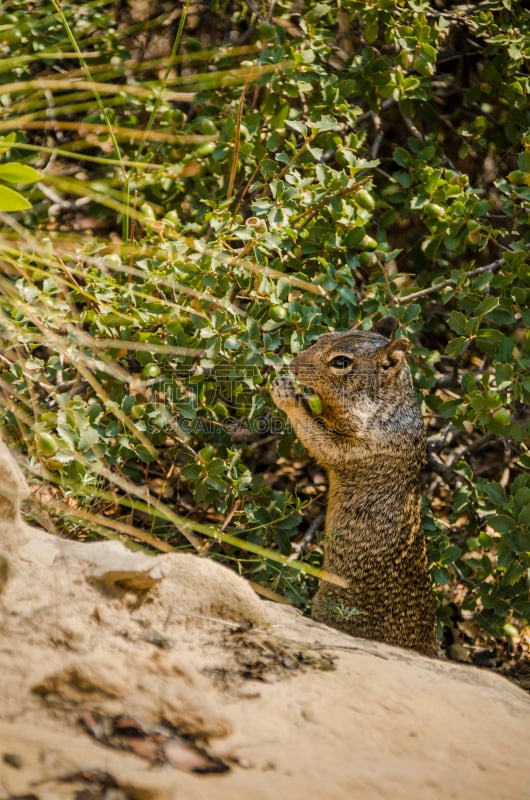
341, 362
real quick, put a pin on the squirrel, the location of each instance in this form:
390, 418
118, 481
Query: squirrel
351, 403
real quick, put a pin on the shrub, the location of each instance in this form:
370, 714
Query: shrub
204, 216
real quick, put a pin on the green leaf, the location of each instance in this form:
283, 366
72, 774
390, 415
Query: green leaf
371, 28
216, 467
495, 492
522, 496
503, 374
448, 409
489, 340
501, 523
7, 142
524, 516
11, 200
451, 553
88, 439
145, 455
192, 471
487, 305
325, 123
19, 173
410, 313
441, 576
522, 607
469, 383
457, 322
524, 162
512, 574
299, 127
456, 346
401, 157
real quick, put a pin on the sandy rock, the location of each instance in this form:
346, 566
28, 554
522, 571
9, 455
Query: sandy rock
161, 678
13, 489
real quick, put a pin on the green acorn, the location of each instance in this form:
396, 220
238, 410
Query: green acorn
315, 404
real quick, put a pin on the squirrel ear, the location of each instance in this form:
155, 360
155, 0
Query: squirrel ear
386, 326
393, 355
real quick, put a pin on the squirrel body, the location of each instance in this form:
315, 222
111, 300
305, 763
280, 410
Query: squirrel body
370, 437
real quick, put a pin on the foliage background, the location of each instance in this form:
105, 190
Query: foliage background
219, 184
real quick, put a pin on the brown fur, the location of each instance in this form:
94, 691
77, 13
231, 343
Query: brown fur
370, 437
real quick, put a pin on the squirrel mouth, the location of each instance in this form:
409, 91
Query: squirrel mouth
307, 396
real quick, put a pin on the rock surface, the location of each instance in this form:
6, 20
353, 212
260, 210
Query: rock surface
161, 678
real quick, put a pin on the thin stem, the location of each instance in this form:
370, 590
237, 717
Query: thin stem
176, 44
103, 111
57, 151
94, 87
493, 267
237, 140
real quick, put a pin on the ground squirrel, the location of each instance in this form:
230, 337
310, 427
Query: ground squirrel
352, 405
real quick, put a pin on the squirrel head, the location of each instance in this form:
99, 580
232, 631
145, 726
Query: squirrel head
363, 381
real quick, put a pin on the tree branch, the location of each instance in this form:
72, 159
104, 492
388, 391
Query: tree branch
493, 267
